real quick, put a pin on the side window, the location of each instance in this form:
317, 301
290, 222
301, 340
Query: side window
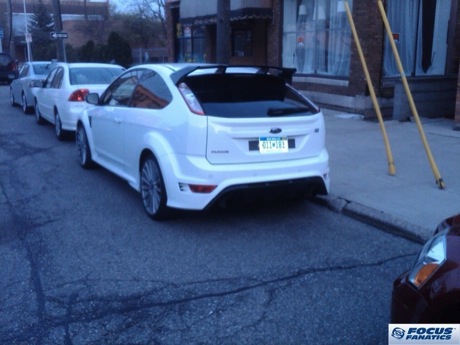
152, 92
121, 90
57, 80
24, 71
49, 79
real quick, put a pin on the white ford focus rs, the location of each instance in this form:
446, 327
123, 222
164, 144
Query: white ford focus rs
188, 136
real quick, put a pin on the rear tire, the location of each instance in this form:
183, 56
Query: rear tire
12, 100
60, 133
38, 117
25, 108
153, 191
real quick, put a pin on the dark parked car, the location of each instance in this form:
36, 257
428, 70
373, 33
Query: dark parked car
430, 291
8, 68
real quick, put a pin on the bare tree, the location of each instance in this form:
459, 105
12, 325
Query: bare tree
153, 10
139, 30
96, 30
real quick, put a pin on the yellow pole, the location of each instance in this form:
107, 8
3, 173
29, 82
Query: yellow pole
437, 176
391, 166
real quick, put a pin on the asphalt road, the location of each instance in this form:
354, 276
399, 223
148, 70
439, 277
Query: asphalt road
81, 263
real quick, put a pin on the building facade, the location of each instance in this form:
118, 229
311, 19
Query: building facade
314, 36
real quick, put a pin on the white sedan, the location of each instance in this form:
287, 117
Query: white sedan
189, 136
61, 97
20, 92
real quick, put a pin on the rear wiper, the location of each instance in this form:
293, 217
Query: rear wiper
287, 111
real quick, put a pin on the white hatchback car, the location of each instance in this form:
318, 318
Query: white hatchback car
61, 96
187, 136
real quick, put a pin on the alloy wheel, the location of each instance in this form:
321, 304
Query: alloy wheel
25, 108
152, 189
12, 101
38, 117
58, 127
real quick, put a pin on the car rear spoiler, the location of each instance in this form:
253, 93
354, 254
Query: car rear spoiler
281, 72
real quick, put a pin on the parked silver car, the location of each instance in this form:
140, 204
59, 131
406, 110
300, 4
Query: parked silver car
20, 91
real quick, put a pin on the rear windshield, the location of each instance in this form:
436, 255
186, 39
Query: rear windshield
248, 95
42, 68
93, 75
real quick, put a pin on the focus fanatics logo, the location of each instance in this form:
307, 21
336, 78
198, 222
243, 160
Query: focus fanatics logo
398, 333
429, 334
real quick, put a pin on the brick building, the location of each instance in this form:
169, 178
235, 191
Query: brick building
314, 36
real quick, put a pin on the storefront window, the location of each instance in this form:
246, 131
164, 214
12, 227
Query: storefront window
191, 44
420, 32
242, 43
317, 37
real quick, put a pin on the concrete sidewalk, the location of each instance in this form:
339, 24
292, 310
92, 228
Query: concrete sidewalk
409, 202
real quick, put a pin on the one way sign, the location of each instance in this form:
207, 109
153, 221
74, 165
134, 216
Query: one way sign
55, 35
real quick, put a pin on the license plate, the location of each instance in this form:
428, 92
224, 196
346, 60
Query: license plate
273, 145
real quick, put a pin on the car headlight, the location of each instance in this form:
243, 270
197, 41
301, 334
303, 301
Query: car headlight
430, 259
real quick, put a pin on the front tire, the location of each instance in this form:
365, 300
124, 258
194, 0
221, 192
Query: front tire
153, 191
84, 153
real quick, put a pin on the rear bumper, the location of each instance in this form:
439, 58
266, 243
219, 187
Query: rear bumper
234, 182
69, 116
8, 77
271, 190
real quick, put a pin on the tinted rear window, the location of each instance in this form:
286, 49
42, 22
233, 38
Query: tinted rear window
93, 75
41, 69
247, 95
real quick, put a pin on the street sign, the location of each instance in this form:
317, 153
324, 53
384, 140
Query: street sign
55, 35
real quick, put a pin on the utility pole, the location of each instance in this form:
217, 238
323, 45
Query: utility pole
27, 35
223, 41
60, 49
10, 30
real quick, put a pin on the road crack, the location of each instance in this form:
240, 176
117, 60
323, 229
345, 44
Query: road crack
166, 297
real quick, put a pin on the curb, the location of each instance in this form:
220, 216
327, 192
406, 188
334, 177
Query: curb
372, 217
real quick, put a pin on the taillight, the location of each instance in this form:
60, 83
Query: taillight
198, 188
78, 95
12, 66
190, 99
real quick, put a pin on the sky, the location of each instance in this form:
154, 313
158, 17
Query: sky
121, 5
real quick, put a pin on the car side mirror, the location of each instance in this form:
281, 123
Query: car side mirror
36, 83
92, 98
